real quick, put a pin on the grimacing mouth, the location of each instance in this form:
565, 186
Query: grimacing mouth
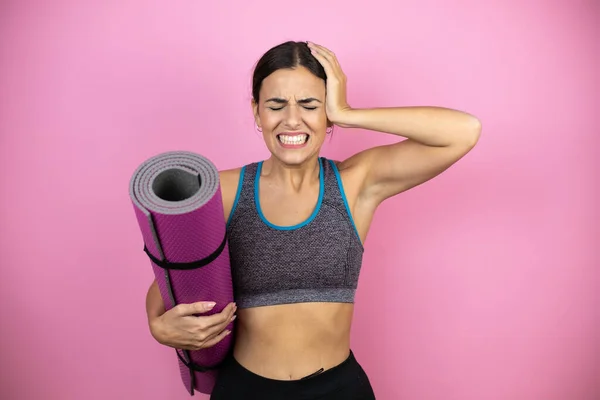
278, 136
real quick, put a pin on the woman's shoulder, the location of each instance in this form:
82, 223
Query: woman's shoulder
232, 173
352, 174
351, 170
230, 178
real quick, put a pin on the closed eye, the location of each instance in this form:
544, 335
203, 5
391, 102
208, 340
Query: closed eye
306, 103
305, 107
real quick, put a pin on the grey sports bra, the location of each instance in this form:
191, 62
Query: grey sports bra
318, 260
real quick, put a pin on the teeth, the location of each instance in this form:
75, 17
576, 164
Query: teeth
297, 139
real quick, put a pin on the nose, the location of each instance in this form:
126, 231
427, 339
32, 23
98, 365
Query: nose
293, 118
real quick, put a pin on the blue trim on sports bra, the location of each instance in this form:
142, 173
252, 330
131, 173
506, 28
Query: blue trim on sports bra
237, 194
343, 193
300, 225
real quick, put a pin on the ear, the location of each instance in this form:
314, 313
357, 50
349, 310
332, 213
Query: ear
254, 106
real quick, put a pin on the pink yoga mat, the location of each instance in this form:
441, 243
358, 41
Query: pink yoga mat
177, 202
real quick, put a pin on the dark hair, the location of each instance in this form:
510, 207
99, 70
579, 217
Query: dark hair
285, 55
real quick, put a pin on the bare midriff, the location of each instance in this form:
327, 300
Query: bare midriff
292, 341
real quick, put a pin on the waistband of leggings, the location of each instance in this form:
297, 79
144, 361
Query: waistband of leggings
333, 375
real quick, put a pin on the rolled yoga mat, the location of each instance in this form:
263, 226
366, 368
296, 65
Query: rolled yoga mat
178, 205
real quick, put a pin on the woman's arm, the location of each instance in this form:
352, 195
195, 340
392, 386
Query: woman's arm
155, 307
181, 327
436, 139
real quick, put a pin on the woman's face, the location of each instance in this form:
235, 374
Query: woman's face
291, 114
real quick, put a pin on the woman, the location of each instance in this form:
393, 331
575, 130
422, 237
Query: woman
297, 223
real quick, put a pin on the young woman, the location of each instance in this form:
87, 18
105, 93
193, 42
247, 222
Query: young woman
296, 225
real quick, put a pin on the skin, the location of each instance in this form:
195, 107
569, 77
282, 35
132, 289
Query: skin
294, 340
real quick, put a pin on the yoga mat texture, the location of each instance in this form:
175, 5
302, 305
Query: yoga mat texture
178, 206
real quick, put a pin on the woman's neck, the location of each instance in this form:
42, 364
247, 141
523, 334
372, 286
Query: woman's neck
292, 176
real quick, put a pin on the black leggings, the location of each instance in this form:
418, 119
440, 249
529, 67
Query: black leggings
346, 381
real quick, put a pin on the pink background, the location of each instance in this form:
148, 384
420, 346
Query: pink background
483, 284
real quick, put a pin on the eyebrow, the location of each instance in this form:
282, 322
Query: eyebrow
284, 101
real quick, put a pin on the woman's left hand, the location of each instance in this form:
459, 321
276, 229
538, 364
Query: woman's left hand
336, 105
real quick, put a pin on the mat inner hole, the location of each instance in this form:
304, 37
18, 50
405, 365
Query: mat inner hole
176, 185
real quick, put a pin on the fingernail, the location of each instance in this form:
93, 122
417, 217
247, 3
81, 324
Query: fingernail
234, 317
227, 333
210, 305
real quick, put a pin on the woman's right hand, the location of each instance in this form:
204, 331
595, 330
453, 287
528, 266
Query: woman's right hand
180, 328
